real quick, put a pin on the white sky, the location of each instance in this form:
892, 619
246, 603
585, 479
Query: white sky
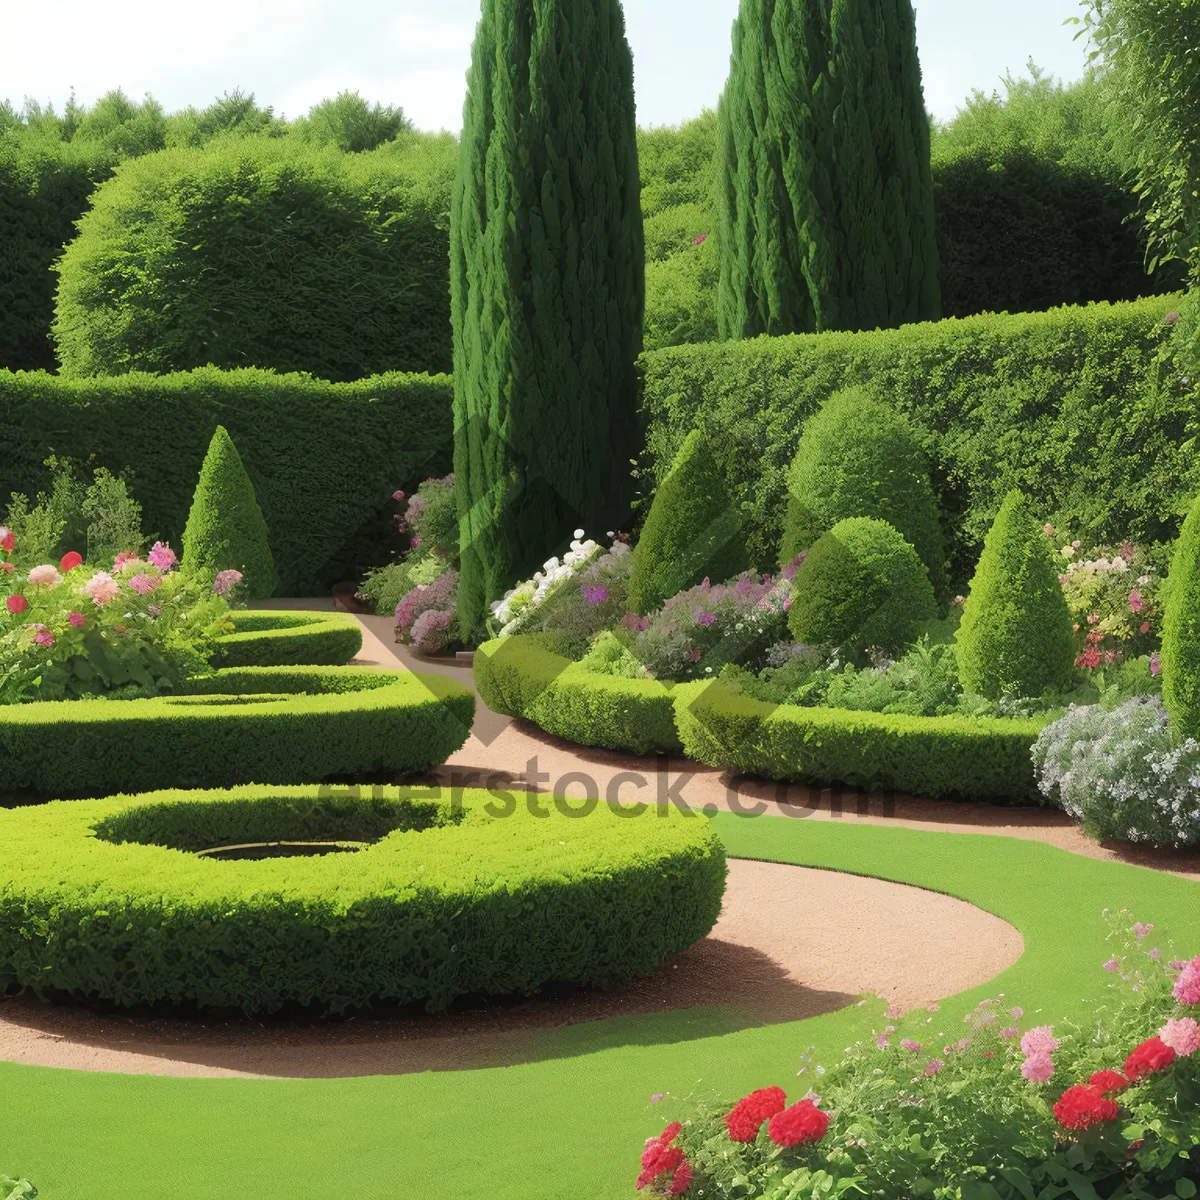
292, 53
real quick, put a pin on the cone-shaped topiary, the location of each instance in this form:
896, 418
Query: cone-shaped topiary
1015, 635
861, 585
1181, 630
692, 530
547, 289
859, 458
225, 528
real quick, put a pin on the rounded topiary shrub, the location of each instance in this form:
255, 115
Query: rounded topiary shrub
1181, 629
225, 530
1015, 635
258, 252
859, 458
692, 531
861, 585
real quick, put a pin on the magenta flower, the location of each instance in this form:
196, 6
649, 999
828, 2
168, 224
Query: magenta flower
145, 584
397, 496
43, 637
935, 1065
1136, 603
226, 580
1140, 931
703, 617
594, 595
161, 556
1112, 965
910, 1045
415, 542
1187, 986
700, 240
1038, 1068
1155, 663
881, 1042
1038, 1041
76, 618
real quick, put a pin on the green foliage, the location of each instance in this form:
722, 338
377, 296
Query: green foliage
16, 1189
348, 122
547, 283
858, 457
977, 758
285, 639
225, 529
1015, 633
265, 724
324, 458
825, 200
691, 531
681, 295
677, 164
1181, 629
547, 898
233, 114
861, 586
254, 252
1083, 409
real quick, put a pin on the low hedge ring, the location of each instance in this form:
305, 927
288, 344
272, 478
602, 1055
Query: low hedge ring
239, 725
463, 891
273, 638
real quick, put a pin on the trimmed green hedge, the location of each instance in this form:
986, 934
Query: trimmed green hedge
274, 638
239, 725
324, 458
1081, 408
976, 758
522, 676
470, 892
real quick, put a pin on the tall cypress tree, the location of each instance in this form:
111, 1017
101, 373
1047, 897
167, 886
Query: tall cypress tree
825, 196
547, 288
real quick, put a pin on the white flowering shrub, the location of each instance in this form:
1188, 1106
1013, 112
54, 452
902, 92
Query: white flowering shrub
1123, 773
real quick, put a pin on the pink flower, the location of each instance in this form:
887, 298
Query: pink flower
161, 556
43, 637
700, 240
1112, 965
1016, 1013
910, 1045
102, 588
415, 542
124, 559
1144, 627
1155, 663
704, 617
429, 630
634, 623
959, 1046
1187, 986
225, 580
1171, 318
76, 619
1011, 1032
1140, 931
934, 1066
6, 567
1038, 1068
7, 539
397, 495
693, 656
145, 584
1039, 1040
45, 576
1136, 603
881, 1042
1183, 1036
594, 595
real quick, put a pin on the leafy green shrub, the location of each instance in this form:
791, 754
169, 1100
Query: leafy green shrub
324, 458
691, 531
16, 1189
681, 297
348, 122
976, 758
1181, 629
861, 585
859, 458
268, 724
546, 898
1081, 408
225, 530
1015, 633
255, 252
284, 639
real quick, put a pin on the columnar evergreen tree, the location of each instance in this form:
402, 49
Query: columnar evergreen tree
824, 194
547, 291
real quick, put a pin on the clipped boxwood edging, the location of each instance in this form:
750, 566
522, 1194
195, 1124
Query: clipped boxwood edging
972, 757
461, 893
521, 676
238, 725
274, 638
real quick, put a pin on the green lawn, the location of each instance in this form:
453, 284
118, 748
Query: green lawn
571, 1124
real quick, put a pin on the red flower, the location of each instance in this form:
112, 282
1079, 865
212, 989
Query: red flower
1083, 1106
681, 1180
659, 1158
7, 540
744, 1119
1109, 1083
1152, 1055
16, 605
70, 561
800, 1125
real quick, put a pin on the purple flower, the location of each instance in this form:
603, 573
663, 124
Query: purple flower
703, 617
1112, 965
1140, 930
935, 1065
693, 656
1171, 318
1155, 663
594, 595
429, 630
145, 584
225, 580
700, 240
161, 556
657, 1097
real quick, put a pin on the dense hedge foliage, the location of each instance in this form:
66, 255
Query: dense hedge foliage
258, 253
324, 458
970, 757
1181, 630
1079, 407
273, 638
239, 725
489, 893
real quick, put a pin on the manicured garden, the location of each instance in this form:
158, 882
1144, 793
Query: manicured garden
813, 445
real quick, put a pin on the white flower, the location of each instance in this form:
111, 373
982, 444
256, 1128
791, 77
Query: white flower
1068, 552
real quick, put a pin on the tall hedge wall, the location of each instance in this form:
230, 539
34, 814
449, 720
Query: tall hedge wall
324, 458
1081, 408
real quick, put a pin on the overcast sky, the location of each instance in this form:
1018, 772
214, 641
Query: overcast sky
292, 53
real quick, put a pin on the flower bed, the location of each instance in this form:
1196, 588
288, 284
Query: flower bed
239, 725
107, 900
269, 638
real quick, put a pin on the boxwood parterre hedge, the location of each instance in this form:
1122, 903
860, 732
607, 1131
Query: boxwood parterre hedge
463, 892
274, 638
238, 725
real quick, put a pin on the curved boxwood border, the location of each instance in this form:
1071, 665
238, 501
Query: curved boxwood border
273, 638
521, 676
239, 725
972, 757
460, 894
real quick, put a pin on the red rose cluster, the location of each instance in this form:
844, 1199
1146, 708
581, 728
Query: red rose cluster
1152, 1055
800, 1125
661, 1158
1091, 1103
1083, 1106
748, 1114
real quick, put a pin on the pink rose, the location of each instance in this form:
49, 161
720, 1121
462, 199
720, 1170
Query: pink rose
161, 556
76, 619
145, 584
45, 576
102, 588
